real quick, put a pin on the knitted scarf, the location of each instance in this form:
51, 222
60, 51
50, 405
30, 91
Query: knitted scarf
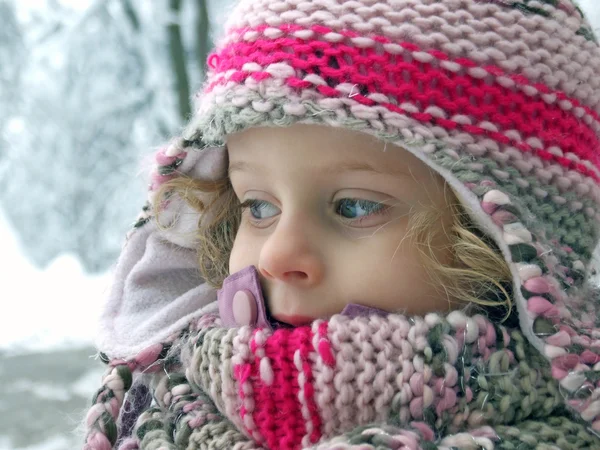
361, 383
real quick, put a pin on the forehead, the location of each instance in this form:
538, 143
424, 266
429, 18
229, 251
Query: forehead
320, 148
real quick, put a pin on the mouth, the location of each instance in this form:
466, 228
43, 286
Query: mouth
292, 320
280, 320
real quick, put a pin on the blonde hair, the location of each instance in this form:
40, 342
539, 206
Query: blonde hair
478, 275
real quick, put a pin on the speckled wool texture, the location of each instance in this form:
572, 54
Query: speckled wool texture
347, 383
501, 97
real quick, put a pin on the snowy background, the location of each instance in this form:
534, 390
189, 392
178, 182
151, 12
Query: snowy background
87, 89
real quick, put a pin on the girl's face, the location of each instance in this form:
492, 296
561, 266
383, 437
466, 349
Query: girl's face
325, 213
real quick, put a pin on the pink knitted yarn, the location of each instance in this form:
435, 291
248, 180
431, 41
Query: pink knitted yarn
453, 88
297, 386
501, 98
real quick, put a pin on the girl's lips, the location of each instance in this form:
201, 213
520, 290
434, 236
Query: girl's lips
296, 321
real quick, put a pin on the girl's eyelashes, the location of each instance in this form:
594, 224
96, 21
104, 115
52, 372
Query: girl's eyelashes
352, 211
259, 209
356, 211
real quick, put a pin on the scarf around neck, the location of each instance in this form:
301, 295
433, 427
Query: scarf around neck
348, 382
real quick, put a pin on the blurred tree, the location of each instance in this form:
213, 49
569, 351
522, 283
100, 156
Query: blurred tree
204, 42
98, 87
12, 60
12, 51
178, 62
180, 59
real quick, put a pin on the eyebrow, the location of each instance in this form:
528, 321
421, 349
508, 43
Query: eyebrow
350, 166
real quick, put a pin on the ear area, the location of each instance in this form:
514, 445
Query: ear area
157, 288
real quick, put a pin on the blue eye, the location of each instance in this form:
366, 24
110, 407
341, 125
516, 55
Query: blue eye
353, 208
260, 209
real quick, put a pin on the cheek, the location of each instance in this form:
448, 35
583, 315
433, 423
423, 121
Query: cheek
391, 276
245, 252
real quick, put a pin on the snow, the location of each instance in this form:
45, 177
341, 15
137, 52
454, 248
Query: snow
41, 390
592, 9
46, 310
57, 202
55, 443
58, 392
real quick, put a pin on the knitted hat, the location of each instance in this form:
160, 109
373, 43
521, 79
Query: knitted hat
500, 97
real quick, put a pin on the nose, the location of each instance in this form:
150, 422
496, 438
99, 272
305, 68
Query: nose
292, 254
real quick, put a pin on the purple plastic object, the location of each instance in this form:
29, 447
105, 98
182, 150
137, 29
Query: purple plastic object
244, 280
244, 307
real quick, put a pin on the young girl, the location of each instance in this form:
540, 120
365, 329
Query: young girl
375, 232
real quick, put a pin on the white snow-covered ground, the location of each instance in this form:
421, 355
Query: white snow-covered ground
47, 364
45, 310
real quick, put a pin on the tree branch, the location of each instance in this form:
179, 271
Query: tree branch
204, 43
177, 54
131, 14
